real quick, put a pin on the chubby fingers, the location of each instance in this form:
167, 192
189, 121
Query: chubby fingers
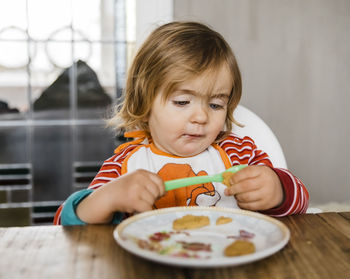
155, 185
245, 187
145, 187
154, 189
245, 180
247, 194
256, 188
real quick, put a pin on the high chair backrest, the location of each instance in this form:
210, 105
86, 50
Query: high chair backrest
261, 133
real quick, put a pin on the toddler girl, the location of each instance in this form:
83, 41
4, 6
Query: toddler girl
181, 91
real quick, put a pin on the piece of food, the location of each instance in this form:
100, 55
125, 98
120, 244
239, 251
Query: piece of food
188, 222
227, 177
159, 236
149, 245
243, 234
195, 246
239, 248
223, 220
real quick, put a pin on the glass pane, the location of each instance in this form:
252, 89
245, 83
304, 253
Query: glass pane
47, 17
107, 69
20, 196
52, 84
51, 159
87, 18
14, 48
13, 100
88, 145
14, 141
11, 217
89, 153
13, 13
58, 49
14, 57
96, 82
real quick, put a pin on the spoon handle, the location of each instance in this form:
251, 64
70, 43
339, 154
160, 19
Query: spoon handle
187, 181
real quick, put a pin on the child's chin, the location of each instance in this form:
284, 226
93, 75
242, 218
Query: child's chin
189, 152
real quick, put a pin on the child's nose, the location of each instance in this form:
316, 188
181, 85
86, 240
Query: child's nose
200, 114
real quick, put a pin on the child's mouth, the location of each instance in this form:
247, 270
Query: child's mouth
193, 136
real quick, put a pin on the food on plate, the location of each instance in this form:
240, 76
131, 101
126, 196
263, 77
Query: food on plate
243, 234
223, 220
159, 236
195, 246
226, 178
189, 221
148, 245
239, 248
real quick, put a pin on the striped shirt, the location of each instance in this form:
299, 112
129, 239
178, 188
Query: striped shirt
233, 150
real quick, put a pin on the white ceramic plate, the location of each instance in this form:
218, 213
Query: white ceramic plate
267, 234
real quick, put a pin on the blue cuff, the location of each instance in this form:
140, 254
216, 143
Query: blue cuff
68, 215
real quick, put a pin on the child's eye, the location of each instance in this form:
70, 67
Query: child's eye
181, 103
216, 106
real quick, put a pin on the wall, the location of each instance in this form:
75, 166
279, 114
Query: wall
149, 15
295, 61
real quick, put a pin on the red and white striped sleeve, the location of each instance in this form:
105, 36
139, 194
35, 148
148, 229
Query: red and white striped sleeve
296, 199
244, 151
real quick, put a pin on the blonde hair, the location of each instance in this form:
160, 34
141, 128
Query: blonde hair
172, 54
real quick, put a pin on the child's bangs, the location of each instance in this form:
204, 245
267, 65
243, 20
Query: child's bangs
188, 69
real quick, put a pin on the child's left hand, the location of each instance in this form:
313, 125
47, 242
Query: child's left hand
256, 188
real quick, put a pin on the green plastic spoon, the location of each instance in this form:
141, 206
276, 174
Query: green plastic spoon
183, 182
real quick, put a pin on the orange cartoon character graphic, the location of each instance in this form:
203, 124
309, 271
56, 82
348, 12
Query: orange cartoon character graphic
200, 194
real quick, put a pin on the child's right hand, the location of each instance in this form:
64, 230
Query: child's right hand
133, 192
136, 191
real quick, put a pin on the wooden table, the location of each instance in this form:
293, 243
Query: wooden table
319, 248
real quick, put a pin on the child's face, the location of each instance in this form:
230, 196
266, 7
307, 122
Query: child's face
193, 115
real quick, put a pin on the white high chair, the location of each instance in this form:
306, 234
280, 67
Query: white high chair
264, 139
261, 133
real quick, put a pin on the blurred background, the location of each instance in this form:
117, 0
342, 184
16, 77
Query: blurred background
63, 65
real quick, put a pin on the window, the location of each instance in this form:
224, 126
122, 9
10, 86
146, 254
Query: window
62, 66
